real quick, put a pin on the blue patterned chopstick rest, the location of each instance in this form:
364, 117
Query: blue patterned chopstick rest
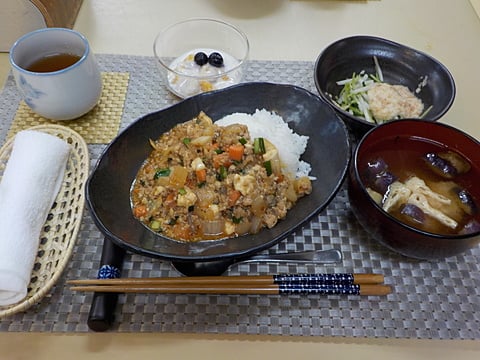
108, 272
325, 289
340, 278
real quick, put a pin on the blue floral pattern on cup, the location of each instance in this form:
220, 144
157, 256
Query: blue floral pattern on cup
30, 93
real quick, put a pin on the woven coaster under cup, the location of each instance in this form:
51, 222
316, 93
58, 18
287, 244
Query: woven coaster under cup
98, 126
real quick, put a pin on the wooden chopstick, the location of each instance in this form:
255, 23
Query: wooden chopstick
353, 284
249, 279
231, 289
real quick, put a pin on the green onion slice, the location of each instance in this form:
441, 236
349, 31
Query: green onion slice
268, 167
259, 146
222, 173
237, 220
161, 173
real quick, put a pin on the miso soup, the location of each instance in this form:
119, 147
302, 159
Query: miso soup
417, 185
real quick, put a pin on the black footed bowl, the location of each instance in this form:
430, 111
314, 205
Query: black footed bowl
403, 136
108, 187
400, 64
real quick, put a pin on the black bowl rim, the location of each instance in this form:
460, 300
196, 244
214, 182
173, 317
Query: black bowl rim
395, 45
235, 254
354, 163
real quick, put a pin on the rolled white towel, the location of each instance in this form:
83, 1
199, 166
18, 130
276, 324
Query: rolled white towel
31, 181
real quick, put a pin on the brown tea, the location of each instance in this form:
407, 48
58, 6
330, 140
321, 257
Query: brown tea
53, 62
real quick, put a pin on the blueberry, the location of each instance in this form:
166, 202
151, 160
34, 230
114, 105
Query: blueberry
215, 59
200, 58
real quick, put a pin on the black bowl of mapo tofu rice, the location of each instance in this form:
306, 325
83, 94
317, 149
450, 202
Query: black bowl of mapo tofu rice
221, 175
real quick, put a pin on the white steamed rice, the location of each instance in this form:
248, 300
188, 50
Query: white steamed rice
273, 128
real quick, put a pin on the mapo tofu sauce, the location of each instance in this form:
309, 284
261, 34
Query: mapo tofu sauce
203, 182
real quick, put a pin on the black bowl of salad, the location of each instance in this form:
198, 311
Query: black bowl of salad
370, 80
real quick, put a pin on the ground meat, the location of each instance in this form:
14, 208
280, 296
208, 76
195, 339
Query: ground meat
193, 186
389, 102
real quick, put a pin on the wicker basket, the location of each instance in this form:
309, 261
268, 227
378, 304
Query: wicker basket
59, 234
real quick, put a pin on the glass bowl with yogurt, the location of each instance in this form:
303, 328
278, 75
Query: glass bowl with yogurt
199, 55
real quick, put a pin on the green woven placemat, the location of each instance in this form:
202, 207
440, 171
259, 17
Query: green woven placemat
99, 126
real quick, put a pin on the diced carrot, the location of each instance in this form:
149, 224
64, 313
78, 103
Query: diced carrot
221, 159
233, 197
201, 175
170, 200
140, 210
217, 161
235, 152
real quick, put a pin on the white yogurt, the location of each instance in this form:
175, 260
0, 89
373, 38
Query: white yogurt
203, 78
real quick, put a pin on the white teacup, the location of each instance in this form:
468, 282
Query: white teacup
58, 89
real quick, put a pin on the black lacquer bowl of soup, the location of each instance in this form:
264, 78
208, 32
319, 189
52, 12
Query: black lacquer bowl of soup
108, 187
413, 185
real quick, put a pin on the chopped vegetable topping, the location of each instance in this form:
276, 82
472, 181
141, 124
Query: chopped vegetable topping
233, 196
161, 173
258, 146
353, 96
268, 167
155, 225
236, 220
201, 175
222, 173
140, 210
235, 152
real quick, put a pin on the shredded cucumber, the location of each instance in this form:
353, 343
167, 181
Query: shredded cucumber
353, 96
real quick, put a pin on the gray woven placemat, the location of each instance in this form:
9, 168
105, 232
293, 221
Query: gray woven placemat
430, 300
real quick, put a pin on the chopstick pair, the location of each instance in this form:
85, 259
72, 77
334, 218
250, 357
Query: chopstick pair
283, 284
